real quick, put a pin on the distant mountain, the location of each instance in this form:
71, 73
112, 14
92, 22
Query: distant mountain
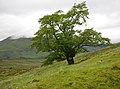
19, 49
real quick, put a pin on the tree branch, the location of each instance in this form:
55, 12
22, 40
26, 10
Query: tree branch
78, 45
54, 32
60, 28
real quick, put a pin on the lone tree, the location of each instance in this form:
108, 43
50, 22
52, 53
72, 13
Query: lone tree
58, 33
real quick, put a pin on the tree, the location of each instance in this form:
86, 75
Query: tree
58, 34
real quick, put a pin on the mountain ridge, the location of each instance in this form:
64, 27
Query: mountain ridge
19, 49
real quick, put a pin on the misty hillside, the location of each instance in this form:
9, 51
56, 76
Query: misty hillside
18, 49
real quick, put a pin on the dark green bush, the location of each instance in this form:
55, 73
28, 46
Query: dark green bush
58, 56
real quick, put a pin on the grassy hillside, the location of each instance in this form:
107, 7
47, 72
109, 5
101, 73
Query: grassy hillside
95, 70
18, 49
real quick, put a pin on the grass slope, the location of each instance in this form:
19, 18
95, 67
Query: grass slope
96, 70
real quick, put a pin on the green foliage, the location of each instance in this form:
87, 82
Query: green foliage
57, 32
59, 56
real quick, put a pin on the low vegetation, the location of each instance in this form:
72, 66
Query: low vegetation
95, 70
9, 68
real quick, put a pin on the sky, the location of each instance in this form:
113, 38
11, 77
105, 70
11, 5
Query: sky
19, 18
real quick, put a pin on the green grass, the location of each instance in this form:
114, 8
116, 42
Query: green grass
95, 70
10, 68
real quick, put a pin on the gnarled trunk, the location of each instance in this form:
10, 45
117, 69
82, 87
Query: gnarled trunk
70, 53
70, 60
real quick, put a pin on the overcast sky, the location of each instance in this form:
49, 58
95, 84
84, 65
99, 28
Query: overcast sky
20, 17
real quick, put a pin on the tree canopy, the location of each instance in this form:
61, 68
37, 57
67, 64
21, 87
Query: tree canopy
58, 33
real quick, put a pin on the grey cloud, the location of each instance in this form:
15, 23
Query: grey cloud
19, 17
114, 22
27, 6
104, 6
11, 25
110, 25
112, 33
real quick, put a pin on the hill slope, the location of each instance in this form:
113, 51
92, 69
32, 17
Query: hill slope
18, 49
95, 70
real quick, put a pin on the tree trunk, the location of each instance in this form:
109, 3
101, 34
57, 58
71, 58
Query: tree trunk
70, 60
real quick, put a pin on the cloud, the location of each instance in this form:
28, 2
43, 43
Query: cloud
20, 17
14, 25
113, 34
10, 24
108, 25
101, 21
103, 6
17, 26
21, 7
28, 6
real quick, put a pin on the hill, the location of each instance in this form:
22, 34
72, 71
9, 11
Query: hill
94, 70
18, 49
